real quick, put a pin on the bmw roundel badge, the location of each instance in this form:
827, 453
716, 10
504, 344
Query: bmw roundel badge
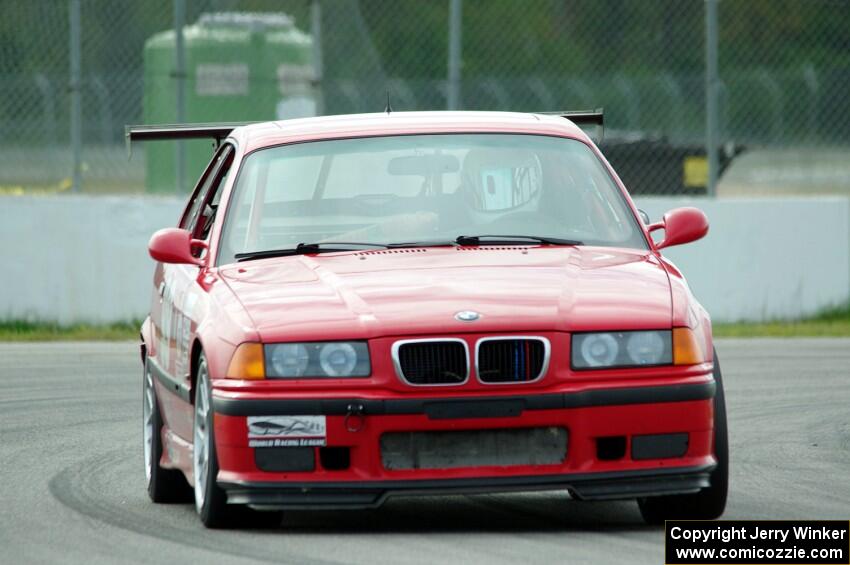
467, 316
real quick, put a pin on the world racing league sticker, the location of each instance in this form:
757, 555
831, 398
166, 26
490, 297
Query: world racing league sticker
287, 431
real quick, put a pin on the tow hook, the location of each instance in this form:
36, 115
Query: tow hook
354, 417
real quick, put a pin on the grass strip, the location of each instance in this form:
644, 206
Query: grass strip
834, 322
17, 330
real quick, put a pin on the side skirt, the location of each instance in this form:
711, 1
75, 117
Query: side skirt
177, 454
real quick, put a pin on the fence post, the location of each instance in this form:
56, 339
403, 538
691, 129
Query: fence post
455, 43
179, 87
75, 86
711, 95
318, 70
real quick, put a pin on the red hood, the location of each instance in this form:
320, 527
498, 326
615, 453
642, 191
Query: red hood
356, 295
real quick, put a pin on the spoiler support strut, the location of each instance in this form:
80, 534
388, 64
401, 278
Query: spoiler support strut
583, 118
217, 132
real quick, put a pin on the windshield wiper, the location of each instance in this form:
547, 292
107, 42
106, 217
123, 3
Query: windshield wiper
435, 243
512, 240
307, 249
338, 246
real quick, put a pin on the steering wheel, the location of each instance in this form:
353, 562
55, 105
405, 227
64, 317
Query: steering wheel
523, 219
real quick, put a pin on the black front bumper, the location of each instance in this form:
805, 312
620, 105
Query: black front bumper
354, 495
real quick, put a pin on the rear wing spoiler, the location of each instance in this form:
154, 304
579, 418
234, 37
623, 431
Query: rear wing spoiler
583, 118
160, 132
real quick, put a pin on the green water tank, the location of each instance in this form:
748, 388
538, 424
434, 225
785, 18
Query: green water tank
239, 67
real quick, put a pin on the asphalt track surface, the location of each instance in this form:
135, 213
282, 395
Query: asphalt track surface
72, 481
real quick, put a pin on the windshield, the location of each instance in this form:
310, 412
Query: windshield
425, 188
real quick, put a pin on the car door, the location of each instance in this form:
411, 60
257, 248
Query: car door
183, 301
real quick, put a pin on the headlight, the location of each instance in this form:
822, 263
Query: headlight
622, 349
646, 348
287, 359
318, 359
338, 359
598, 350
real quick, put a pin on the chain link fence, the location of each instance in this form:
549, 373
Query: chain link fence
784, 70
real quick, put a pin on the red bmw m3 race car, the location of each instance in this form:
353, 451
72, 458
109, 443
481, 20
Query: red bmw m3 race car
358, 307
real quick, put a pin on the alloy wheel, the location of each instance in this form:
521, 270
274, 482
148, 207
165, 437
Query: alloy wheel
147, 419
201, 450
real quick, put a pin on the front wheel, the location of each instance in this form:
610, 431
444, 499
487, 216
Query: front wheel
164, 485
709, 503
210, 499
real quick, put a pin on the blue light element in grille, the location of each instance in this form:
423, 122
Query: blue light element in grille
509, 360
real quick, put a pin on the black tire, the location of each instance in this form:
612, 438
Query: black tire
709, 503
210, 499
163, 485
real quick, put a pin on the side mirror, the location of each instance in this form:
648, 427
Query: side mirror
681, 225
173, 245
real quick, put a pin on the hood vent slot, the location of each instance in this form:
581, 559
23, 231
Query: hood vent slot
492, 248
393, 251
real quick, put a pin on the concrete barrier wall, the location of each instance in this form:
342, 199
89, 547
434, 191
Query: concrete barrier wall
767, 258
81, 258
